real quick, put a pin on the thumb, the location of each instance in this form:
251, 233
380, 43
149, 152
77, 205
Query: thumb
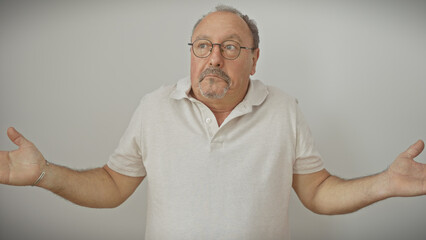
414, 150
16, 137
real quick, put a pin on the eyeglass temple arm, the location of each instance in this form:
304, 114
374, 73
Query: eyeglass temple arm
248, 48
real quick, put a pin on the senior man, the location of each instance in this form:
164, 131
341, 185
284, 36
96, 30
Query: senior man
220, 152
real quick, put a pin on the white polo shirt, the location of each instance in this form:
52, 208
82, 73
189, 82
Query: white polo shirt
210, 182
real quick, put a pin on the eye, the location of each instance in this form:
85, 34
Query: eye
202, 45
230, 47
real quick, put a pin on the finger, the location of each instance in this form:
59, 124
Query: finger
415, 149
16, 137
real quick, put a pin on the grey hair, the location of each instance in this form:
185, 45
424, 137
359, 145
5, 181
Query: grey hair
250, 22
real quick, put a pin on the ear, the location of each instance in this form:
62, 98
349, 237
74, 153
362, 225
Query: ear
254, 59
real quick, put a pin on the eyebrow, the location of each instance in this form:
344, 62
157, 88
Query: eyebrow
229, 37
235, 36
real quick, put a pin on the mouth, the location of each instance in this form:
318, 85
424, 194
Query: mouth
214, 73
211, 76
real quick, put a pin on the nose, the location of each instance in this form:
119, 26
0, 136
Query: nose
216, 58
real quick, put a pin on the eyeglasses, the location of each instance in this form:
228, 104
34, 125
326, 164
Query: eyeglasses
229, 49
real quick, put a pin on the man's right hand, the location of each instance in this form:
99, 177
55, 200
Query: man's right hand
22, 166
97, 188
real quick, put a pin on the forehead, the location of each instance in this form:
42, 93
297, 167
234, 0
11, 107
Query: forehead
220, 26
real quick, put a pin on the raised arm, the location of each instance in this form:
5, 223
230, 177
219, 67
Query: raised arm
326, 194
97, 188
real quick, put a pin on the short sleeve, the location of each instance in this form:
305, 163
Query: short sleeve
127, 157
308, 159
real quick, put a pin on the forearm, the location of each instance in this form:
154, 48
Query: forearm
326, 194
338, 196
91, 188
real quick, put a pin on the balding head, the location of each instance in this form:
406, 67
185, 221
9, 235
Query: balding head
251, 24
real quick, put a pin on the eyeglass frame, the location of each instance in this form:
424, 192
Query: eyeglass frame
220, 47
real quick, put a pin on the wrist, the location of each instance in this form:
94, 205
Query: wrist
384, 189
42, 174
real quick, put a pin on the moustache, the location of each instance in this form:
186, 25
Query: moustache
215, 71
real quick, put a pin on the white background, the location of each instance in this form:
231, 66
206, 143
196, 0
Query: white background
71, 74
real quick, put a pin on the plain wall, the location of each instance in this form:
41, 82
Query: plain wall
72, 73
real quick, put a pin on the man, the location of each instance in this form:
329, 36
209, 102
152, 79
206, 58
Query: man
220, 152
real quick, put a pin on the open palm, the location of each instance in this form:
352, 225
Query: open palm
22, 166
406, 176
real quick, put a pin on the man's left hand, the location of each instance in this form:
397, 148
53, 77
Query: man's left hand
406, 177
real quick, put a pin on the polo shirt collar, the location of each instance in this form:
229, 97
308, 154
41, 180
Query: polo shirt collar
255, 96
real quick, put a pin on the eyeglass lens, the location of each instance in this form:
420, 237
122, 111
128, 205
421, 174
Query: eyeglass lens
229, 49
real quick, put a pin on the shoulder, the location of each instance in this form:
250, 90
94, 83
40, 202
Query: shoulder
275, 96
166, 93
163, 102
158, 95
